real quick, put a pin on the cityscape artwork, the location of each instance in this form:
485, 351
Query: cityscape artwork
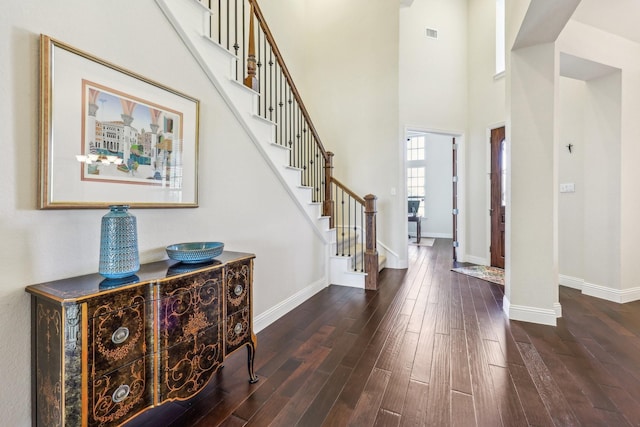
129, 140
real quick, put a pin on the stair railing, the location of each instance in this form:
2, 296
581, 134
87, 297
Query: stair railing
233, 26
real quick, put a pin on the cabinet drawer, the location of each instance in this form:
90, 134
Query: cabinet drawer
117, 335
116, 396
238, 286
238, 327
190, 308
186, 367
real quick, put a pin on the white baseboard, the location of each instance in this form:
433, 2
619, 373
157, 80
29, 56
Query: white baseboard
571, 282
475, 260
437, 235
558, 309
620, 296
266, 318
531, 314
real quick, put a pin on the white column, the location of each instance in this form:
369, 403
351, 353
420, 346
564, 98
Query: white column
531, 289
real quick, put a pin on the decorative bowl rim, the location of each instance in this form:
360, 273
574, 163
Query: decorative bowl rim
181, 247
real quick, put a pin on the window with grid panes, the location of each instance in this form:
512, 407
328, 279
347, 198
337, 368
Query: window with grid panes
416, 164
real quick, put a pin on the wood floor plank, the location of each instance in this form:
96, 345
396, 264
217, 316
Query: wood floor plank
414, 412
439, 402
552, 397
320, 406
462, 411
460, 375
368, 406
534, 409
257, 399
392, 345
509, 404
300, 402
396, 391
421, 371
387, 419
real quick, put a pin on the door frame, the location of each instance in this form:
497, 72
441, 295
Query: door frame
461, 199
491, 127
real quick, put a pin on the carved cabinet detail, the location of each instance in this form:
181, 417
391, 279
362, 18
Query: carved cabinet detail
103, 353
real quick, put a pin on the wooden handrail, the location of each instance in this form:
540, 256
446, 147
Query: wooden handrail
267, 32
348, 191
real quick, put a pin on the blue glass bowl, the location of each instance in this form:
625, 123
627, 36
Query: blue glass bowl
194, 252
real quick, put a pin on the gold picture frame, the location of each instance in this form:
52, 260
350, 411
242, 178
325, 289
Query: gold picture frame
109, 136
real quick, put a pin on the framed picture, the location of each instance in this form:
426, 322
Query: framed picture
109, 136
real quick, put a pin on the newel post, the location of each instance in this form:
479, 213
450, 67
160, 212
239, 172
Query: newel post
251, 81
327, 206
371, 251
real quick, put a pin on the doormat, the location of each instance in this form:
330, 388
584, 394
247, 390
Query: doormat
424, 241
490, 274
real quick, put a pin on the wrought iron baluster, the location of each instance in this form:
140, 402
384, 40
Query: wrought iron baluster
362, 247
281, 104
349, 222
244, 38
259, 65
271, 84
342, 221
228, 25
236, 46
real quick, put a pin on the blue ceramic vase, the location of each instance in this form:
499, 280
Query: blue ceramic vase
118, 243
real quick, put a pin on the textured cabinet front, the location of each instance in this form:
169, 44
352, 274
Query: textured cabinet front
238, 315
118, 333
190, 340
115, 396
102, 356
47, 343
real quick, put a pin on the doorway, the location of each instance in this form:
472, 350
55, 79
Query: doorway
429, 163
498, 176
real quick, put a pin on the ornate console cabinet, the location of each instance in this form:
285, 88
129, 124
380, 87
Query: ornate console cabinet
104, 351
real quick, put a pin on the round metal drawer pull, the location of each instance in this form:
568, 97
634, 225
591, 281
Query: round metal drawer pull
121, 393
120, 335
238, 290
238, 328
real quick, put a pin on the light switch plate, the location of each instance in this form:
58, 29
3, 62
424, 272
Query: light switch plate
569, 187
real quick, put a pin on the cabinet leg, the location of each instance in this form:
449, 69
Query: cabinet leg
251, 353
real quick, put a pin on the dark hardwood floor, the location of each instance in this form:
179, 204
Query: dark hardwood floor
430, 348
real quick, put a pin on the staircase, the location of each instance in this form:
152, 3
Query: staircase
223, 40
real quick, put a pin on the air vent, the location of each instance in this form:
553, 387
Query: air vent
432, 33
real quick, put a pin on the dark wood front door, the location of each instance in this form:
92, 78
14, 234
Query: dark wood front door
497, 211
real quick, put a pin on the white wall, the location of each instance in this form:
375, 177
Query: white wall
241, 202
571, 228
589, 218
433, 72
602, 182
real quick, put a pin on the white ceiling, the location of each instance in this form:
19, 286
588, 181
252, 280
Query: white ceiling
620, 17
